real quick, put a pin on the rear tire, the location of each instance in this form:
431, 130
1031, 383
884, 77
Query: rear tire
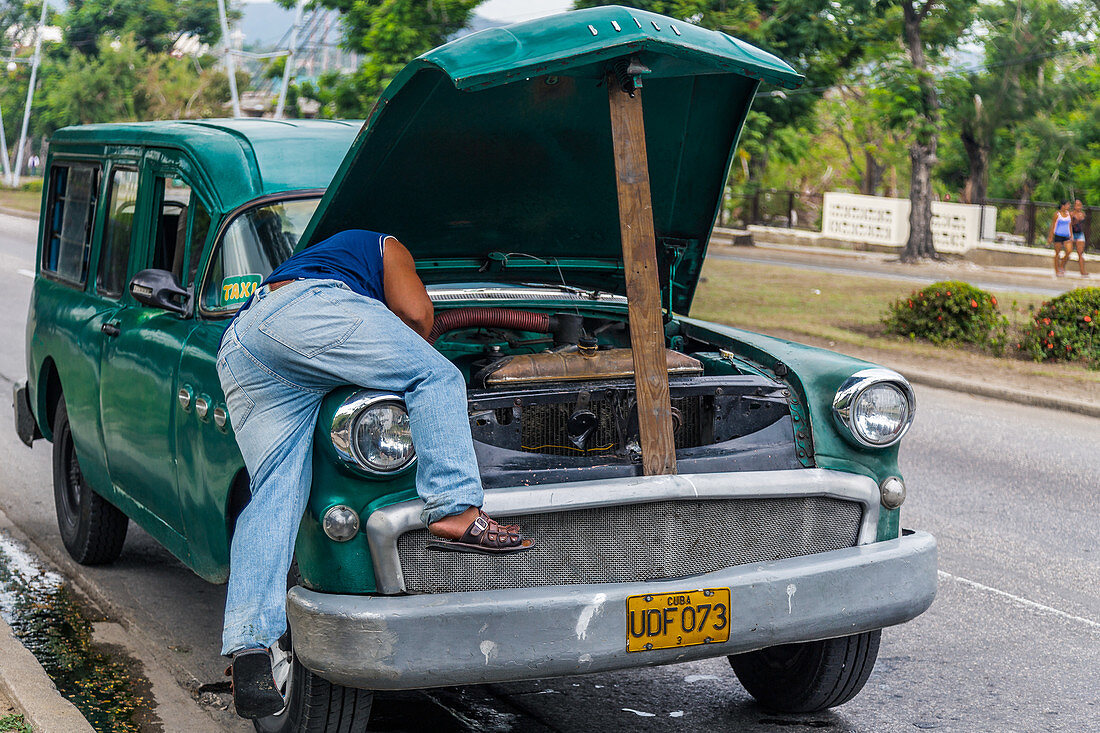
313, 704
810, 676
92, 529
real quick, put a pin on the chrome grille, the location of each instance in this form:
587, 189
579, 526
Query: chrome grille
639, 542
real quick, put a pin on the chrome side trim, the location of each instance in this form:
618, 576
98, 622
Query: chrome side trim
386, 525
854, 386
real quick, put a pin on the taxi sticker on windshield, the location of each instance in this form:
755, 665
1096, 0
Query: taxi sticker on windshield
238, 289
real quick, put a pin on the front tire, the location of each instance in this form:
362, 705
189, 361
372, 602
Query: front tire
810, 676
92, 529
313, 703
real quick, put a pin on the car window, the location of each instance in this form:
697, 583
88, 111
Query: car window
200, 227
253, 245
73, 194
121, 205
170, 242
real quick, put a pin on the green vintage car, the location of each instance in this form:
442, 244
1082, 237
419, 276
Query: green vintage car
776, 542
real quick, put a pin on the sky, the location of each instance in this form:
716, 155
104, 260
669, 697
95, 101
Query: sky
510, 10
517, 10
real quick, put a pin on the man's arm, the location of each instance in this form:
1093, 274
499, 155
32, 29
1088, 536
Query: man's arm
405, 293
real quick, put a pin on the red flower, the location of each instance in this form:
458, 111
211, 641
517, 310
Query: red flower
973, 303
1067, 347
1051, 333
939, 318
993, 300
1088, 319
1046, 321
949, 293
1050, 346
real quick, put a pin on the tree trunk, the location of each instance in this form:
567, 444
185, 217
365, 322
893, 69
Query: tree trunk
922, 151
977, 156
872, 173
919, 246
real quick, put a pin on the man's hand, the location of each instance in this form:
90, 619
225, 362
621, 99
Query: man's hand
405, 293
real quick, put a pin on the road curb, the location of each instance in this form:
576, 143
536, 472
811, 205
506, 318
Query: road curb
19, 213
1031, 399
32, 691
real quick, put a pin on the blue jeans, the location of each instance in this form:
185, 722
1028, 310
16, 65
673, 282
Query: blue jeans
278, 360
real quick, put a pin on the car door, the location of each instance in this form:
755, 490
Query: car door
142, 345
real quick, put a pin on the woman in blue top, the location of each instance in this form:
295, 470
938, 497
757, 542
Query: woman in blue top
348, 310
1077, 227
1061, 238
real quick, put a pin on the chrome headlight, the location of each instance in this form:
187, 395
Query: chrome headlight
371, 432
875, 407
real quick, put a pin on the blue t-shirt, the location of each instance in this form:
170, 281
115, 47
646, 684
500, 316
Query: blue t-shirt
354, 257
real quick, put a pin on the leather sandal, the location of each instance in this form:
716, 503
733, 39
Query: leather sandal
485, 536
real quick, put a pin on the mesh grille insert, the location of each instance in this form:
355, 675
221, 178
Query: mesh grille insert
639, 542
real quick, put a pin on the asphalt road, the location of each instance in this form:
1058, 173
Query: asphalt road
1012, 642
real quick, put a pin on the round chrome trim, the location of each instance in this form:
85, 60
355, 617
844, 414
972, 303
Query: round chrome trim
343, 425
220, 417
854, 386
202, 406
892, 492
326, 520
185, 396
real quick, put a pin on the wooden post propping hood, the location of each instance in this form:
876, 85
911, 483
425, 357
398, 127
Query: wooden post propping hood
643, 291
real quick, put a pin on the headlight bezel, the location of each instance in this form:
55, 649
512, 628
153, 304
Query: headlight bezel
854, 387
345, 422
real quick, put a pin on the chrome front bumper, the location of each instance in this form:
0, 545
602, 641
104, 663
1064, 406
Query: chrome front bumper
407, 642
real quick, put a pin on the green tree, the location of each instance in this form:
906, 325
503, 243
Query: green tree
821, 39
1021, 41
389, 33
154, 24
926, 29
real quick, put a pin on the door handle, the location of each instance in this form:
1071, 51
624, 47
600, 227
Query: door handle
110, 328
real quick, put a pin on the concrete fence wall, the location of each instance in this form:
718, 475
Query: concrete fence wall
956, 228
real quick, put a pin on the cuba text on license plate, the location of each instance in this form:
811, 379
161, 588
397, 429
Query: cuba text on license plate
669, 620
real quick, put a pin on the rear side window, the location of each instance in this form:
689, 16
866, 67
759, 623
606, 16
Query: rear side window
117, 233
170, 244
73, 194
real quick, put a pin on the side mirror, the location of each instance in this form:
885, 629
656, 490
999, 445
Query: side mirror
160, 289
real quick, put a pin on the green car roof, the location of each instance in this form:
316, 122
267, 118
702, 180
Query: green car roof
243, 158
493, 153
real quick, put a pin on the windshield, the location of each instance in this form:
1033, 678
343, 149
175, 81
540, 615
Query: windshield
253, 245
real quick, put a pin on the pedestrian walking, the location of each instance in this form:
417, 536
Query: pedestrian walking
1060, 237
348, 310
1077, 228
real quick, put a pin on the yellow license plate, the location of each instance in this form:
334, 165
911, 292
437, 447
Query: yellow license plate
669, 620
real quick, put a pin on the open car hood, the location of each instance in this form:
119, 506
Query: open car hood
491, 157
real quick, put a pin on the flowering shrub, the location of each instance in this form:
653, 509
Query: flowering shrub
949, 312
1065, 329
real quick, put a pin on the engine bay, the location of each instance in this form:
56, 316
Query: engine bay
555, 392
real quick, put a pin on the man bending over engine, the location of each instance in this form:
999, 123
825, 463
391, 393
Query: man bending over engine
348, 310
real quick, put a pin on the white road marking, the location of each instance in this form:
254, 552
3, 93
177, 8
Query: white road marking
26, 273
1020, 600
640, 713
698, 677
